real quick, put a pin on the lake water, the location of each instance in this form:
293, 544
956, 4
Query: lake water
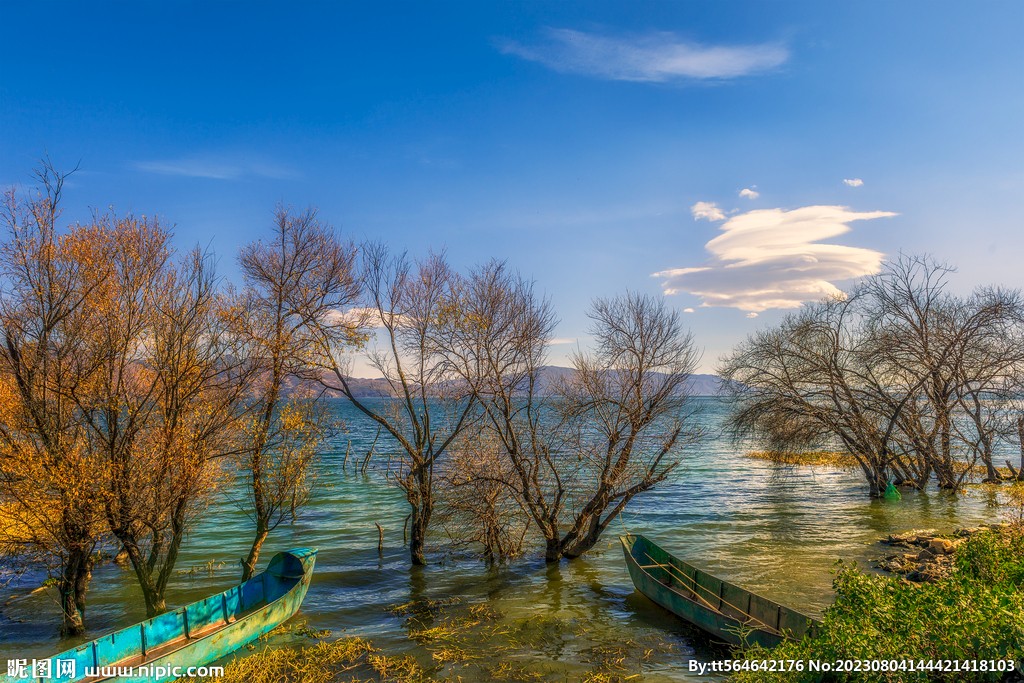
775, 531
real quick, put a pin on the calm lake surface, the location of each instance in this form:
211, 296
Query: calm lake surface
775, 531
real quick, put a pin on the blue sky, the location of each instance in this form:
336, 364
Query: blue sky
591, 145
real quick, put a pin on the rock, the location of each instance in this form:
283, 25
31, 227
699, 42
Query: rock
940, 546
925, 555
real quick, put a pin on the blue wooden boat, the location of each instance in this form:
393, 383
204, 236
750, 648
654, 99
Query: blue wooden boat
718, 607
177, 643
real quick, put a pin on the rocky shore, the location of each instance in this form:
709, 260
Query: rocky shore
926, 556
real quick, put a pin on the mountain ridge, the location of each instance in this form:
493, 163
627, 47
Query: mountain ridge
697, 384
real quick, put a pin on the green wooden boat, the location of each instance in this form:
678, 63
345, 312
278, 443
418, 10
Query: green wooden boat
722, 609
178, 643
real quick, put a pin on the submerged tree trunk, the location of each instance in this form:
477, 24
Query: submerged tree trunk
153, 574
74, 583
553, 550
418, 534
876, 477
1020, 440
585, 541
152, 594
249, 563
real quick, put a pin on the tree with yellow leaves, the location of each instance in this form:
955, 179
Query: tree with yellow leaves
51, 495
121, 388
162, 399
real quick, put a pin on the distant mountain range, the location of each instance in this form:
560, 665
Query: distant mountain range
699, 385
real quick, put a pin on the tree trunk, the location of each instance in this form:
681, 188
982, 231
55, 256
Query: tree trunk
155, 604
417, 537
947, 475
249, 563
991, 473
582, 544
553, 551
1020, 440
872, 475
152, 596
73, 585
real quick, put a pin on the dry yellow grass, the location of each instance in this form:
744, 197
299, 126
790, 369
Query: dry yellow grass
825, 458
353, 658
478, 637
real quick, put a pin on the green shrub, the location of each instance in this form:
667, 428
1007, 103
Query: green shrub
976, 614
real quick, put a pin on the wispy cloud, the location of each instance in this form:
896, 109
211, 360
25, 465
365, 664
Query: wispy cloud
654, 57
563, 340
770, 259
750, 193
856, 182
687, 310
707, 210
209, 168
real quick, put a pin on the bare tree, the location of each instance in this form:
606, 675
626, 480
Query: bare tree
493, 337
614, 428
428, 409
899, 373
949, 347
296, 284
627, 409
476, 506
989, 358
810, 381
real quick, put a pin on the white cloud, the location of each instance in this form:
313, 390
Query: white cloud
751, 315
207, 168
655, 57
562, 340
856, 182
750, 193
769, 259
707, 210
687, 310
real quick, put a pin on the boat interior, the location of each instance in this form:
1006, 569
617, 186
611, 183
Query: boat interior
716, 595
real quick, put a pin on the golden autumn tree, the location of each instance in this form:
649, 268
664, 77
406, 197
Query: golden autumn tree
295, 283
162, 400
50, 484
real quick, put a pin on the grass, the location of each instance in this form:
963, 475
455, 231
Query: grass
354, 658
824, 458
452, 643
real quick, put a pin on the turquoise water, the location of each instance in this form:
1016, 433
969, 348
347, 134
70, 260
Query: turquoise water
775, 531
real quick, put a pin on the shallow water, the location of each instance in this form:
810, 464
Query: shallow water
775, 531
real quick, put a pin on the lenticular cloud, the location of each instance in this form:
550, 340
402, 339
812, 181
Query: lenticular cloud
770, 259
